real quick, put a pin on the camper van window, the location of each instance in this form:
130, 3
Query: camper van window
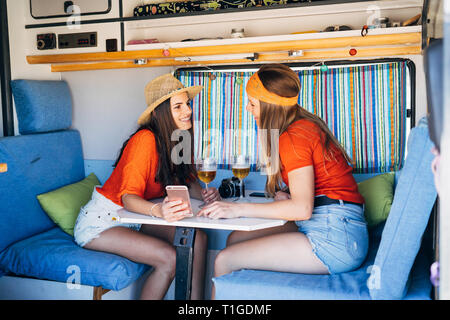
367, 116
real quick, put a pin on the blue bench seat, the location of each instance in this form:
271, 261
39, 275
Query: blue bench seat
53, 255
241, 285
48, 155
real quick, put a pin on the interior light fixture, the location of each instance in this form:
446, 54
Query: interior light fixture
249, 56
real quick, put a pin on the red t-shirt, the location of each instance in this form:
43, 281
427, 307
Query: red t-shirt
300, 146
136, 171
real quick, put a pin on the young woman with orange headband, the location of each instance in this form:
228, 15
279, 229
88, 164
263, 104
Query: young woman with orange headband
326, 232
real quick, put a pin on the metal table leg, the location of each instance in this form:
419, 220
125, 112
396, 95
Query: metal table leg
184, 243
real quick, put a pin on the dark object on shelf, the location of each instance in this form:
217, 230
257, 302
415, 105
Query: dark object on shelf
111, 45
217, 38
382, 22
412, 21
230, 188
206, 5
46, 41
77, 40
337, 28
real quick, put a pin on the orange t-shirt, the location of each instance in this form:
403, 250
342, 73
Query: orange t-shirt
300, 146
136, 171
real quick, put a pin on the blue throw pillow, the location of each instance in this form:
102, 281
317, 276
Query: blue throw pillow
42, 105
414, 198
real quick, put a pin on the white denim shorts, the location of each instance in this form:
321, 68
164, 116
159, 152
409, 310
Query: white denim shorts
98, 215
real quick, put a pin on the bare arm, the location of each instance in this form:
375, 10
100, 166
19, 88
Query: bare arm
169, 210
134, 203
298, 207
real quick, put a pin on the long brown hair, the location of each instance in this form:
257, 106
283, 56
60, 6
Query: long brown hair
162, 124
281, 80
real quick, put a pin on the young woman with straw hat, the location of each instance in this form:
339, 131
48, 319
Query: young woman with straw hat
143, 169
326, 232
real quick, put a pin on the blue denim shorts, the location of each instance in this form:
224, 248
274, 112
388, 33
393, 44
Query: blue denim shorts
98, 215
338, 235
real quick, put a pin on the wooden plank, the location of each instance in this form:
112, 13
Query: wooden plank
344, 42
269, 57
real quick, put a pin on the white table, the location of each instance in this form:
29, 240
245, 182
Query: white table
185, 234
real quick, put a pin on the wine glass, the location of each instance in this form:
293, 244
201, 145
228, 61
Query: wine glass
206, 171
241, 169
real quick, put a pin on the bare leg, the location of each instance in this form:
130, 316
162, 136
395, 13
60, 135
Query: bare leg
239, 236
141, 248
285, 252
199, 261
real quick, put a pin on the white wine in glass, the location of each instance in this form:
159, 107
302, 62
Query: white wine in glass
206, 171
206, 176
240, 168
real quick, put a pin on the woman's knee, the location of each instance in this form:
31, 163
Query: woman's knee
166, 260
223, 263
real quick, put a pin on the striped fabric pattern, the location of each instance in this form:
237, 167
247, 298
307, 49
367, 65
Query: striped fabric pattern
363, 105
222, 126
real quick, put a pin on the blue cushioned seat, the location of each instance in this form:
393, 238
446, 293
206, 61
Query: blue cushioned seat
269, 285
48, 155
397, 269
48, 255
37, 163
415, 195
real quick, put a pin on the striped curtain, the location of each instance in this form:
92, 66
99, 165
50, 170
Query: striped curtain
364, 106
222, 126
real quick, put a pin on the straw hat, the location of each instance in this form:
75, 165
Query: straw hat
161, 89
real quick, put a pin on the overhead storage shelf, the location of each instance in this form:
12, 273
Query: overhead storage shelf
312, 46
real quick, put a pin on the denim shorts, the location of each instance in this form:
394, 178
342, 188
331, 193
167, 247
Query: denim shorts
338, 235
98, 215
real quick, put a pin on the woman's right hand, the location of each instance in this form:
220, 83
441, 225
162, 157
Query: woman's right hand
174, 210
281, 195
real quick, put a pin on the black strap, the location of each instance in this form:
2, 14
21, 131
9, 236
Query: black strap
324, 200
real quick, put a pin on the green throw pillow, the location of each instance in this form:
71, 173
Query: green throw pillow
378, 193
63, 205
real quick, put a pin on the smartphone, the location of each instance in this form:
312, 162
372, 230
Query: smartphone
179, 193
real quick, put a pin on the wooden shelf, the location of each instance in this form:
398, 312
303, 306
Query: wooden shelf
321, 46
310, 55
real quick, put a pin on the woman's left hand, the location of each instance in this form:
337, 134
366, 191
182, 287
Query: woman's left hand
211, 195
220, 209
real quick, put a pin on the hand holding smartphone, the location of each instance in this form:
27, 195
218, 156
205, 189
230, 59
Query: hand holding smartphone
179, 193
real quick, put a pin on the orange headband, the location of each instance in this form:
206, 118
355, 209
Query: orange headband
256, 89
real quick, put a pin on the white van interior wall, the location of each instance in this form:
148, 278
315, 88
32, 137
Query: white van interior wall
20, 48
107, 104
268, 22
